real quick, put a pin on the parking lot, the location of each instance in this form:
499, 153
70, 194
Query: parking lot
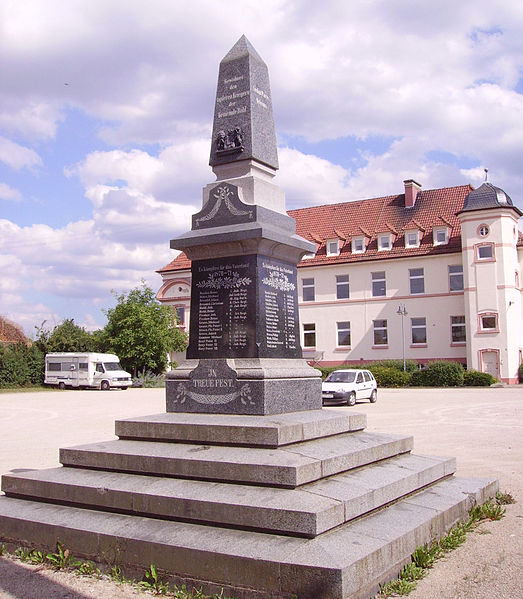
482, 428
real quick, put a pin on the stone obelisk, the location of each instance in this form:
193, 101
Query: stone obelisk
244, 354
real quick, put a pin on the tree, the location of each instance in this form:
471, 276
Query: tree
141, 331
67, 336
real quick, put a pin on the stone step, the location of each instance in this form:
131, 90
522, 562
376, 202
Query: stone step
290, 466
347, 562
233, 429
308, 511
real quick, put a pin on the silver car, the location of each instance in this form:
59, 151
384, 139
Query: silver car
349, 385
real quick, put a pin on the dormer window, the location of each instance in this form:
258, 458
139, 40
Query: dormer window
384, 242
358, 245
333, 247
412, 238
440, 236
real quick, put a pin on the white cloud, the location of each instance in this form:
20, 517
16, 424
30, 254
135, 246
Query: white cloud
8, 193
17, 156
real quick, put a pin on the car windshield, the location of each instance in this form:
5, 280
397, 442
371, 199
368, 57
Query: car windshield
341, 377
112, 366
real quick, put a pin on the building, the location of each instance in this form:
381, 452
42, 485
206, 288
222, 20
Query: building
443, 265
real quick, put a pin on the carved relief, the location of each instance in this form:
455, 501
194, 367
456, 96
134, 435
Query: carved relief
230, 142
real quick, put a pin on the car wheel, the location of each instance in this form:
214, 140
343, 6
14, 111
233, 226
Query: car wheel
123, 388
105, 386
373, 396
351, 400
61, 386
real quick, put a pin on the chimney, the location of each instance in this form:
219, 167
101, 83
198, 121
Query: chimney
411, 192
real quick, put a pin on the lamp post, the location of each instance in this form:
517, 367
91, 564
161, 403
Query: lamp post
402, 311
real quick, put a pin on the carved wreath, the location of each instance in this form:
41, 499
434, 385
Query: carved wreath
220, 281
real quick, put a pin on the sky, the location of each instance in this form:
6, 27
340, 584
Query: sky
106, 111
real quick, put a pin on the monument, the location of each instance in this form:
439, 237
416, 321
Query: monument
245, 483
244, 354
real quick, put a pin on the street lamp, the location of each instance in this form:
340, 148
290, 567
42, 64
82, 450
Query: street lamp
402, 311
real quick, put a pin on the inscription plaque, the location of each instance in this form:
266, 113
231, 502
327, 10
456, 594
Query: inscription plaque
244, 307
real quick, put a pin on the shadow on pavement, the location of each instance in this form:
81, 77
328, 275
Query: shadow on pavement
21, 582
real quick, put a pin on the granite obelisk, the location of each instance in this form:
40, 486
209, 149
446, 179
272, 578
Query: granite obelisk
244, 354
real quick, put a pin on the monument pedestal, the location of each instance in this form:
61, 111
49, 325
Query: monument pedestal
304, 504
243, 386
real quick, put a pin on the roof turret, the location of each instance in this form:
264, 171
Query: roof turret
487, 196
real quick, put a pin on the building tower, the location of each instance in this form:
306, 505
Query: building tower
489, 233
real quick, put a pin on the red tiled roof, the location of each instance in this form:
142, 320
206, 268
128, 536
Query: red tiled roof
433, 207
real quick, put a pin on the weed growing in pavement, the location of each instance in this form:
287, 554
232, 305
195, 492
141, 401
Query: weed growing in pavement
425, 556
116, 574
151, 581
61, 559
504, 498
89, 569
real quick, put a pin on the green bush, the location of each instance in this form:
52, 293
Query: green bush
390, 377
410, 365
439, 374
14, 369
520, 373
473, 378
21, 365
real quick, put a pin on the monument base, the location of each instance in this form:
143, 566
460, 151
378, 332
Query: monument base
255, 386
306, 504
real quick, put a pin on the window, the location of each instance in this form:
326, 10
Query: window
54, 366
343, 334
483, 231
456, 277
380, 332
358, 245
99, 368
180, 314
417, 280
379, 286
488, 323
412, 239
440, 236
457, 329
342, 287
418, 328
333, 247
367, 376
309, 335
308, 290
485, 251
82, 366
384, 242
359, 378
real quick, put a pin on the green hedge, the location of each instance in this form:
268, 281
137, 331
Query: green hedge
473, 378
390, 377
21, 366
520, 373
439, 374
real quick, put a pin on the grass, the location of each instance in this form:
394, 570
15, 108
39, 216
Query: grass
63, 559
424, 557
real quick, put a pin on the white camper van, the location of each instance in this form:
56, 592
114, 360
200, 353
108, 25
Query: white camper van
100, 371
